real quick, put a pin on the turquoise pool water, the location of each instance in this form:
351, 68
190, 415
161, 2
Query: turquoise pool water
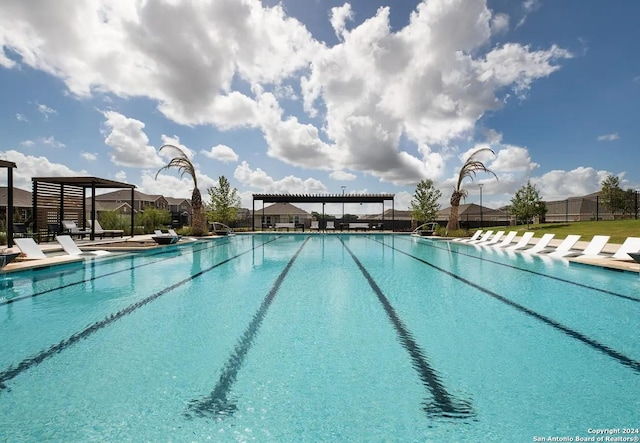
318, 338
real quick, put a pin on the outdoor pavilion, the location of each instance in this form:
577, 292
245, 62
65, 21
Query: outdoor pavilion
324, 199
9, 165
64, 198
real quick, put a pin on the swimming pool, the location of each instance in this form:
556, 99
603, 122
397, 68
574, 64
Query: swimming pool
318, 338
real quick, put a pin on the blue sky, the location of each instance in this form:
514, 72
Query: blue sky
307, 96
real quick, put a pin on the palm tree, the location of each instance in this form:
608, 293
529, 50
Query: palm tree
184, 166
469, 169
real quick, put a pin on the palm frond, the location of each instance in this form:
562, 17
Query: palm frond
180, 162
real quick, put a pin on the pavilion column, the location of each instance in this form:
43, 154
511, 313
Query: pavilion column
132, 211
9, 207
92, 236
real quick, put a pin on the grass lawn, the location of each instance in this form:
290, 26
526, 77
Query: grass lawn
618, 230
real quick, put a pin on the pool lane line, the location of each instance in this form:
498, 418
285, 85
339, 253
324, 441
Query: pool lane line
581, 285
130, 268
217, 403
621, 358
446, 405
13, 371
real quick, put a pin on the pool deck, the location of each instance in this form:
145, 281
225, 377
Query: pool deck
56, 255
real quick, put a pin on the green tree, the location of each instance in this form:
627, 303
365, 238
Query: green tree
527, 203
469, 169
424, 204
611, 195
225, 202
628, 202
152, 218
183, 164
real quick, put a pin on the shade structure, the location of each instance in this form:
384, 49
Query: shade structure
324, 198
55, 198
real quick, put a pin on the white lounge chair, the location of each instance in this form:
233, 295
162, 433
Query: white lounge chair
507, 240
174, 233
102, 232
314, 225
29, 248
542, 244
71, 248
594, 248
495, 239
522, 243
475, 236
566, 246
73, 229
631, 244
485, 237
330, 225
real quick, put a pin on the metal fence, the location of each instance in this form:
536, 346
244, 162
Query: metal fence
592, 208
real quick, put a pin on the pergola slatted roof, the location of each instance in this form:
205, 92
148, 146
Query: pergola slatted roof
85, 182
323, 198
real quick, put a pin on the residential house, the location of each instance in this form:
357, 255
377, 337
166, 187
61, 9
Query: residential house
281, 213
22, 203
181, 211
123, 196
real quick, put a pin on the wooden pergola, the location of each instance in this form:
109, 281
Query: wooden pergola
10, 166
324, 199
64, 198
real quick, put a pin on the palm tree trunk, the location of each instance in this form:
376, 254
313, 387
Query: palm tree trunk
453, 223
198, 224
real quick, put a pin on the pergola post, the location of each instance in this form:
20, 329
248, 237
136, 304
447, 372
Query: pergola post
92, 236
132, 210
10, 203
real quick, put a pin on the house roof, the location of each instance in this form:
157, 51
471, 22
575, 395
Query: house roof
280, 209
111, 205
125, 195
177, 201
397, 215
21, 198
323, 198
471, 209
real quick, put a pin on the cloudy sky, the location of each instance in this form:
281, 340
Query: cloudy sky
308, 96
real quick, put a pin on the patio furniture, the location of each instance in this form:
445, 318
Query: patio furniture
565, 247
103, 232
522, 243
71, 248
71, 228
29, 249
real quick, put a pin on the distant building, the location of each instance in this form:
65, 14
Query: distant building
22, 203
574, 209
471, 215
281, 213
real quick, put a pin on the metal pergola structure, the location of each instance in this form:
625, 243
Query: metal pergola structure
323, 198
47, 187
10, 166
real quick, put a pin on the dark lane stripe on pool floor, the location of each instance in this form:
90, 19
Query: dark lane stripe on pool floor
217, 404
130, 268
445, 404
581, 285
13, 371
621, 358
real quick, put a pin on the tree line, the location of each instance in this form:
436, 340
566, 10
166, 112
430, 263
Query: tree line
525, 206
